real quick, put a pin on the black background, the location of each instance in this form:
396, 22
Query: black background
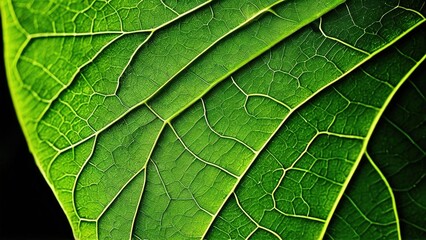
28, 208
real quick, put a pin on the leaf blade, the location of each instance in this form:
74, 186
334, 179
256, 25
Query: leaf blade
100, 131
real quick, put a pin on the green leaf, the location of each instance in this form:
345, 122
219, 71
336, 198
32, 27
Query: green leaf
225, 119
384, 197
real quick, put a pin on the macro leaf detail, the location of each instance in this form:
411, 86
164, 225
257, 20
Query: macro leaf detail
225, 119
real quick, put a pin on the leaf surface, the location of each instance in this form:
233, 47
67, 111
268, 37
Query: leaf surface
225, 119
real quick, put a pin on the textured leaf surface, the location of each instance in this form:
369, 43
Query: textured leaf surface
225, 119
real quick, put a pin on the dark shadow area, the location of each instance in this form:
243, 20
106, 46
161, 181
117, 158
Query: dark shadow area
28, 208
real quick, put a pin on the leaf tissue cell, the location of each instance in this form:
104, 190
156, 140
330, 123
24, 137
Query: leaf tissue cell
225, 119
